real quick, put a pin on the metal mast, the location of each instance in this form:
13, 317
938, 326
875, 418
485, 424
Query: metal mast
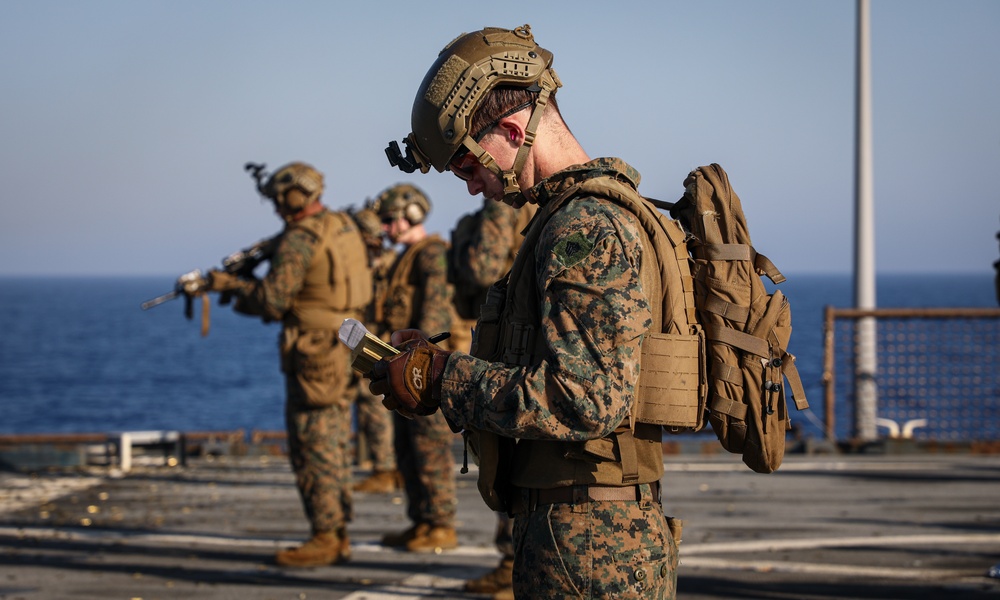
866, 363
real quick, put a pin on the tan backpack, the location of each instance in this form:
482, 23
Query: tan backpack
746, 329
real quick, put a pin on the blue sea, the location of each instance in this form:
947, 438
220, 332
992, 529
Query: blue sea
78, 354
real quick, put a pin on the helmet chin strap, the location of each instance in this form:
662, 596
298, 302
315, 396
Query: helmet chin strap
512, 193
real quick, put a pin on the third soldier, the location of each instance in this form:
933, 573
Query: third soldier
374, 423
418, 296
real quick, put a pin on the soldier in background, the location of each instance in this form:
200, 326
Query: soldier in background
555, 361
483, 246
418, 296
299, 291
374, 423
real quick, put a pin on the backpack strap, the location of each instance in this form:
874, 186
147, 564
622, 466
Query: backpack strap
763, 265
728, 373
727, 252
792, 375
726, 310
728, 406
738, 339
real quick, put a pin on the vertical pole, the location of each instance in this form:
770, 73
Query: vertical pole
125, 452
865, 392
829, 376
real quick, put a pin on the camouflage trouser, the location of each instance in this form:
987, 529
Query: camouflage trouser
424, 456
317, 419
375, 423
594, 550
504, 538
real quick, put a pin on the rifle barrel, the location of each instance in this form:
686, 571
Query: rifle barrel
148, 304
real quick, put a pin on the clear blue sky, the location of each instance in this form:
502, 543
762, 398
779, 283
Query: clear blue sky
125, 124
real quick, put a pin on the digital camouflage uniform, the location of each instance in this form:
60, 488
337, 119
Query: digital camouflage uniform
316, 368
592, 315
419, 296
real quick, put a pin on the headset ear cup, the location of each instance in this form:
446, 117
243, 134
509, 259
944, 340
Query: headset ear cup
414, 214
295, 200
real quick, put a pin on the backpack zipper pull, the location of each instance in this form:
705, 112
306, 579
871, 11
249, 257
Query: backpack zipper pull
770, 387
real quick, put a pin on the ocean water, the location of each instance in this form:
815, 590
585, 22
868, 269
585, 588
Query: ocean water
78, 354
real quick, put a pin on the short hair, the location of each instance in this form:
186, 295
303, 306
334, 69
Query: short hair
500, 102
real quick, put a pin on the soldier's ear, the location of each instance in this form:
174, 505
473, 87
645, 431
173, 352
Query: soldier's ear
512, 130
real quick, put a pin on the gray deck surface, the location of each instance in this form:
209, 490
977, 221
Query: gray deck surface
823, 527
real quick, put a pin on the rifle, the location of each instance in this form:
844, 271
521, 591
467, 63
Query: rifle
194, 283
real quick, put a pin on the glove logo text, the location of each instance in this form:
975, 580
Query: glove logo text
418, 378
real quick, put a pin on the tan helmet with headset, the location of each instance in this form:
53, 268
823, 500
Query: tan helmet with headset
403, 200
291, 188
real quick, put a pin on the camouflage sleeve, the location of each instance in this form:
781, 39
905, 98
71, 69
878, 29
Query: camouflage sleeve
437, 292
594, 313
489, 250
272, 296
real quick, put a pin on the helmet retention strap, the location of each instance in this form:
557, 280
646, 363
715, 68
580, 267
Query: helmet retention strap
509, 177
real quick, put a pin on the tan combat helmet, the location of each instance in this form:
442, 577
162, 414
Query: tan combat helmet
291, 188
403, 200
453, 88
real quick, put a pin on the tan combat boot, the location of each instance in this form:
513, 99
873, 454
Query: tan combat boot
498, 580
327, 548
399, 540
504, 594
379, 482
433, 539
